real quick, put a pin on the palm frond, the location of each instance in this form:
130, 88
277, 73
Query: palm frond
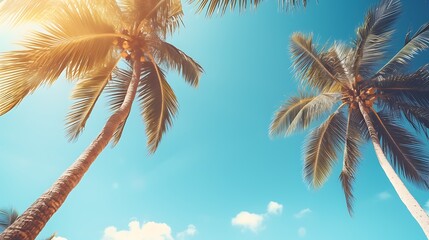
7, 217
417, 116
173, 57
321, 149
405, 151
86, 94
299, 112
417, 43
111, 11
313, 68
52, 236
138, 10
220, 6
344, 61
116, 91
353, 140
291, 4
16, 78
161, 16
410, 89
157, 102
174, 19
373, 36
17, 12
64, 46
60, 46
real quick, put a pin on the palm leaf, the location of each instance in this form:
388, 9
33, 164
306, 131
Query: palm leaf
221, 6
116, 91
17, 79
299, 112
49, 52
410, 89
111, 11
373, 36
152, 15
417, 43
138, 10
7, 217
343, 61
313, 68
212, 6
52, 236
86, 94
63, 46
418, 117
174, 19
406, 152
321, 149
353, 140
23, 11
157, 102
174, 58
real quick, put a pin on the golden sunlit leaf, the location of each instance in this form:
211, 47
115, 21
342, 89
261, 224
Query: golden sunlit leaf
158, 103
174, 58
116, 91
86, 94
16, 12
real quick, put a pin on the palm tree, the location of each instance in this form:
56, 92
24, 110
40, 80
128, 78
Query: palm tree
363, 100
111, 46
212, 6
7, 217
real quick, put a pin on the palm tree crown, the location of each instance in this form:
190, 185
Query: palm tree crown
349, 82
88, 40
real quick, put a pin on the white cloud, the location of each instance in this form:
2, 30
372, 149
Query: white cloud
189, 232
383, 196
250, 221
253, 221
148, 231
302, 213
302, 232
274, 208
59, 238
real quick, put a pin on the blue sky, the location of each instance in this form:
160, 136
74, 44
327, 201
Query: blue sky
217, 174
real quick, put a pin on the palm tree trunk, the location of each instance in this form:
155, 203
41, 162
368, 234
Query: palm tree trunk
32, 221
412, 205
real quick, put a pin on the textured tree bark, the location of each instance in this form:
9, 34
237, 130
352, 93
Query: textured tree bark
32, 221
412, 205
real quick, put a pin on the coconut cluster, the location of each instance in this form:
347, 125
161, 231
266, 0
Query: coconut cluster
354, 95
129, 47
